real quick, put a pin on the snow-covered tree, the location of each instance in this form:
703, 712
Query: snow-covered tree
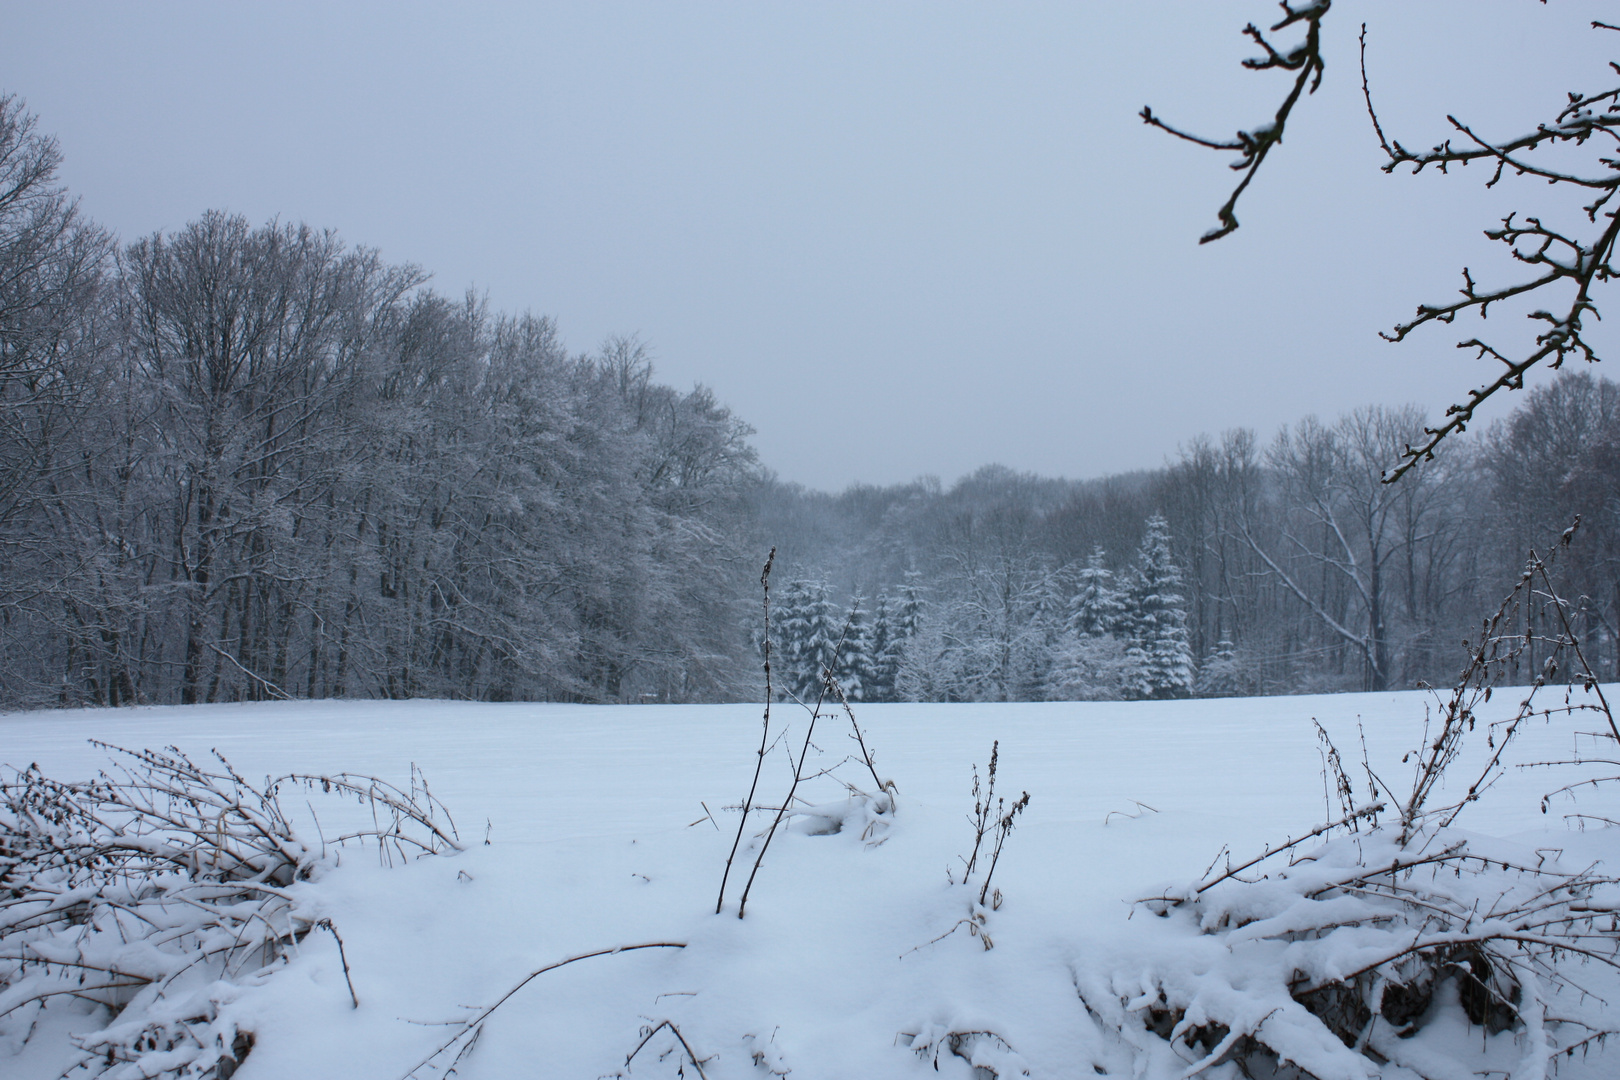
807, 630
1096, 608
947, 659
1088, 658
882, 657
1094, 668
1161, 663
1225, 673
853, 664
901, 622
909, 611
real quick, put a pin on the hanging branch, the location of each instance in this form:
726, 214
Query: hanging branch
1556, 256
1255, 144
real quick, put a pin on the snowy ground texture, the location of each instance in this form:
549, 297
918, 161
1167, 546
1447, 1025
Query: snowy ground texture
600, 835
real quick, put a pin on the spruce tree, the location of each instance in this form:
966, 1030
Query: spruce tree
807, 631
1096, 609
792, 631
1224, 673
882, 659
854, 664
821, 650
1160, 659
905, 623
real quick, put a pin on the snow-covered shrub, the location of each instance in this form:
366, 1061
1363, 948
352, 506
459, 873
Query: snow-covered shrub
1393, 948
1090, 669
1226, 672
987, 1052
160, 892
1333, 960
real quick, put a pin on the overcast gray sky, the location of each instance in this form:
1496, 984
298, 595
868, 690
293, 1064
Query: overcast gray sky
898, 238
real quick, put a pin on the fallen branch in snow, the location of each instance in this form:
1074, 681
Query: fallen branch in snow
163, 891
647, 1034
1362, 950
471, 1029
1368, 812
975, 922
1142, 810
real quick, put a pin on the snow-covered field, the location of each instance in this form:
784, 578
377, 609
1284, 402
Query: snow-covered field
599, 835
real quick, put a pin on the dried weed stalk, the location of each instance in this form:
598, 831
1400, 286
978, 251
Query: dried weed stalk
992, 820
764, 733
871, 810
687, 1056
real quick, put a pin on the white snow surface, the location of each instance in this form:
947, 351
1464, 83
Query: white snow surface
599, 837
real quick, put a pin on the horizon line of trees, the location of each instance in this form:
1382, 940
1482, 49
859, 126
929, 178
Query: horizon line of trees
1291, 567
240, 463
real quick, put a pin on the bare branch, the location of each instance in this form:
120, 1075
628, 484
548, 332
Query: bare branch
1253, 145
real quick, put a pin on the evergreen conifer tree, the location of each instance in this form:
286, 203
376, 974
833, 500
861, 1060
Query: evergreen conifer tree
905, 623
854, 665
882, 658
820, 645
792, 631
1096, 609
807, 630
1160, 659
909, 613
1224, 673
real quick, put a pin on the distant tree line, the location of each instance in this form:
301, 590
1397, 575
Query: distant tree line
1242, 567
240, 463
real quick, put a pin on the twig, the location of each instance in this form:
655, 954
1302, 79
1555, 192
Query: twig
478, 1020
827, 682
1254, 145
866, 755
764, 739
1233, 871
326, 924
691, 1055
